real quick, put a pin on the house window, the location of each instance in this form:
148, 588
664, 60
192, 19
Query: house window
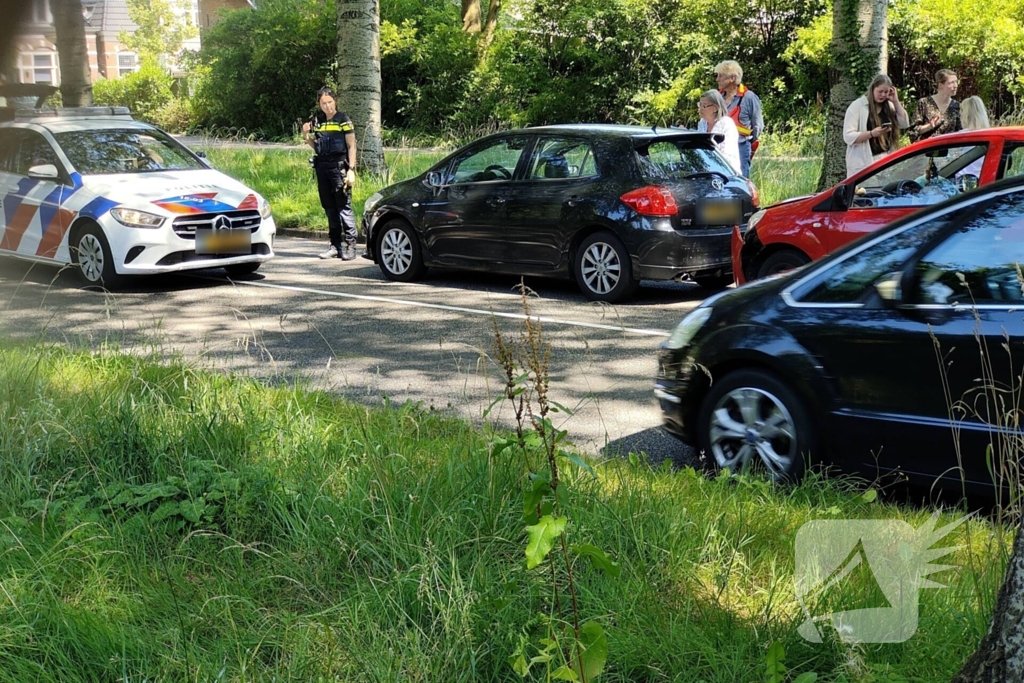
40, 67
127, 63
41, 12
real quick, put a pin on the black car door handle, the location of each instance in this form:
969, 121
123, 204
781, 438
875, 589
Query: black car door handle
571, 201
496, 201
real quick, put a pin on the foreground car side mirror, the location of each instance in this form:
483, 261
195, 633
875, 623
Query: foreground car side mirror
434, 179
841, 198
890, 289
43, 172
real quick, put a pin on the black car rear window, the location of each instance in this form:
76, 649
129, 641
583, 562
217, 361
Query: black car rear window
679, 159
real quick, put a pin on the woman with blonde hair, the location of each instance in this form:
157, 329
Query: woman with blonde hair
715, 119
973, 115
939, 113
871, 128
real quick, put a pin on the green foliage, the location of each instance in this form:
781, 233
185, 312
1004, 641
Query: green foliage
983, 46
160, 30
176, 116
145, 92
263, 68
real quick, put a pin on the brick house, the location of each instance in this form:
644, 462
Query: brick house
209, 10
35, 59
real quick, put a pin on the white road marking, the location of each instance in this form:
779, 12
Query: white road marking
456, 309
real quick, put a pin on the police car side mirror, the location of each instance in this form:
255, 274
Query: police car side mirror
201, 154
43, 172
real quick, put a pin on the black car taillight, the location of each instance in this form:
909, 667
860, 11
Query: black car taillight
651, 201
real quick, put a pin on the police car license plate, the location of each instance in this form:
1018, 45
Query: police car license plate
232, 242
719, 212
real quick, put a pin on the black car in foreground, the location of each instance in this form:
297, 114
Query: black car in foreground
607, 205
902, 352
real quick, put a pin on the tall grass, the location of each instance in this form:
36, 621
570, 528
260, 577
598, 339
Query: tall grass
162, 523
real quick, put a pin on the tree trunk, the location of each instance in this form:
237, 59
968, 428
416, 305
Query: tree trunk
471, 16
75, 80
860, 39
493, 8
1000, 656
359, 77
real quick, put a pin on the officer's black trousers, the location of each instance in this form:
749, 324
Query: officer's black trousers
337, 202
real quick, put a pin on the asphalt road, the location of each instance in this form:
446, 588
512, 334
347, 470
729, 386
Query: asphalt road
343, 328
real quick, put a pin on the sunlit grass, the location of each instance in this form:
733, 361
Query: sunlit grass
341, 542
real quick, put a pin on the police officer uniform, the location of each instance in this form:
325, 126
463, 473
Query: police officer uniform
331, 164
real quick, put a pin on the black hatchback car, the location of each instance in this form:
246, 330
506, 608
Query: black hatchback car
607, 205
902, 352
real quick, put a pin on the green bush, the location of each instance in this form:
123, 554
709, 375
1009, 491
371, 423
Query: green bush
262, 69
175, 117
144, 92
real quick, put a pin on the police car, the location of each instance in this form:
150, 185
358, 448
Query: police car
112, 196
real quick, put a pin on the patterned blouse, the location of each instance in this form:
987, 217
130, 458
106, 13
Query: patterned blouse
920, 128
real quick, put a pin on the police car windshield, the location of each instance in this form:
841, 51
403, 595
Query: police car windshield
124, 150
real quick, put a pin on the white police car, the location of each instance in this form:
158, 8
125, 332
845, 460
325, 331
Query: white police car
115, 197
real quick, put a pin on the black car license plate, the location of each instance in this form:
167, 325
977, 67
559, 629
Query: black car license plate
719, 212
223, 241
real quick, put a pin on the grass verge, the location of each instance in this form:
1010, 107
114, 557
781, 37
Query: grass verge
164, 523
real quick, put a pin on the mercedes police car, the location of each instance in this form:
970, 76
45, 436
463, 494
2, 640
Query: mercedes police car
115, 197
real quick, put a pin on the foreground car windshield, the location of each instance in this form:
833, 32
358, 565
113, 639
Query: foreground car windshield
680, 159
124, 150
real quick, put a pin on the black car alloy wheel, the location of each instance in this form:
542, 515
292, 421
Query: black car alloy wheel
399, 251
603, 268
750, 419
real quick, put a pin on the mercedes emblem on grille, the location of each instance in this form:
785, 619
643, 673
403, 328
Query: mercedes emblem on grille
224, 223
717, 183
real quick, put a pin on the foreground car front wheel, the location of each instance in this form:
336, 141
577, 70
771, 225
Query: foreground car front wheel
399, 252
751, 420
90, 253
603, 268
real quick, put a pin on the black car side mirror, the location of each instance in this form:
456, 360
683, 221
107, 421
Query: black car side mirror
841, 198
434, 179
890, 289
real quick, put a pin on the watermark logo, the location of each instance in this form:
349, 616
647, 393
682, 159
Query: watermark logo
832, 555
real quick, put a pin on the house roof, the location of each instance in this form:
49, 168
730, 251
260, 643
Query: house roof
114, 16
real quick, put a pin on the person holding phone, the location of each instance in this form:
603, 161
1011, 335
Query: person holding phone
871, 128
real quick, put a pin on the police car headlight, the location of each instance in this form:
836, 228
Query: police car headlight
264, 208
688, 327
372, 202
134, 218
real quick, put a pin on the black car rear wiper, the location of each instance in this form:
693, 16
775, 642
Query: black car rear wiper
702, 174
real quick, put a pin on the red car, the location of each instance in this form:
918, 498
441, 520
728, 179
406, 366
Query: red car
794, 232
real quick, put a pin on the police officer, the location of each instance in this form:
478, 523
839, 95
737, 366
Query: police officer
332, 136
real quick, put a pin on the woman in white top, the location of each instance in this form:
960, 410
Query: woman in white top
973, 116
872, 125
715, 119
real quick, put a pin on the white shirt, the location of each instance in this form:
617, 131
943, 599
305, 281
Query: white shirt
730, 146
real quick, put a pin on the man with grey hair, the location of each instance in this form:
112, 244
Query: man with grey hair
743, 107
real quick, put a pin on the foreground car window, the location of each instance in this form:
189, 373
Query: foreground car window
847, 280
922, 179
980, 263
680, 159
97, 152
